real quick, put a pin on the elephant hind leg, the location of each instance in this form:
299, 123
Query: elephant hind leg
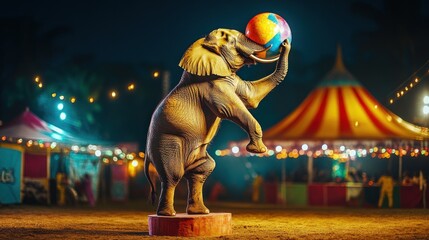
196, 178
165, 205
170, 169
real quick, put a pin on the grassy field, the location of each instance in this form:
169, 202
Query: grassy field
249, 221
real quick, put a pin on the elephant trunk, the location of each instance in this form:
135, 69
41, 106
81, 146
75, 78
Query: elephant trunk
260, 88
281, 67
249, 48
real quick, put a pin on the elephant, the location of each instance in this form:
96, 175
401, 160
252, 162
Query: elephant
186, 120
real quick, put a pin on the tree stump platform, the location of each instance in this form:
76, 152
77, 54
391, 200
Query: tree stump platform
186, 225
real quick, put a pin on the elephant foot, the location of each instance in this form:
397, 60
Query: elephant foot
197, 209
256, 147
166, 212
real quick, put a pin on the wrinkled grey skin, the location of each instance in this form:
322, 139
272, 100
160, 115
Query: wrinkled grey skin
187, 119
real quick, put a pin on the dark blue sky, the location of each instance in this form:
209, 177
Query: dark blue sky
160, 31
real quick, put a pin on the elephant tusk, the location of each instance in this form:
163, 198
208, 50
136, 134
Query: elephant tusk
261, 60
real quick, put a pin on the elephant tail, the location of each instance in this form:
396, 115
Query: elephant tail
152, 188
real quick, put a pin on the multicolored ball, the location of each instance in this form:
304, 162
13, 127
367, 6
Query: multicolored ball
268, 29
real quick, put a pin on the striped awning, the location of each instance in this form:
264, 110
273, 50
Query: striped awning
31, 127
340, 108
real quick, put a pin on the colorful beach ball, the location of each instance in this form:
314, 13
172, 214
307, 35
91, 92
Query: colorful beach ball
268, 29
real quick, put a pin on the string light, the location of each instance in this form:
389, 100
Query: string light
341, 153
112, 94
135, 163
411, 82
98, 151
63, 115
131, 87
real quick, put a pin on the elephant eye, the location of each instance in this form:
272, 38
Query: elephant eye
232, 41
220, 34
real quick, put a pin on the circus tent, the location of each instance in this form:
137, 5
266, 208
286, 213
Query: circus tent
28, 126
342, 120
341, 109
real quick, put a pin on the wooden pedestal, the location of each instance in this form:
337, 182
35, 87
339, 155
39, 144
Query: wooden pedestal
213, 224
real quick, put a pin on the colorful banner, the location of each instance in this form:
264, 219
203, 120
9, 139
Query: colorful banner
59, 163
80, 164
119, 187
10, 175
35, 165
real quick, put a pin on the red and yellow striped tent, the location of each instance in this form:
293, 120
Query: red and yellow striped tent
341, 113
340, 108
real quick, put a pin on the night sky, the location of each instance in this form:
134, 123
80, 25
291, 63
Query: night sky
155, 34
160, 31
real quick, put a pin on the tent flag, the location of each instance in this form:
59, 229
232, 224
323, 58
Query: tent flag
10, 175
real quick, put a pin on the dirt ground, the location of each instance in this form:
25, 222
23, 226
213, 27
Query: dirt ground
249, 221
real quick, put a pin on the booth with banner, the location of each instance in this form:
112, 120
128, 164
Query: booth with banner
11, 168
33, 153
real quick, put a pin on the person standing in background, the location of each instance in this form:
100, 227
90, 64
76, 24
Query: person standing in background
386, 189
256, 187
87, 187
406, 180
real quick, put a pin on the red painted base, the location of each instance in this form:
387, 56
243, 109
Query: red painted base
213, 224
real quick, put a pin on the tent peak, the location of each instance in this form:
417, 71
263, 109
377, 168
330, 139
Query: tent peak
339, 75
339, 63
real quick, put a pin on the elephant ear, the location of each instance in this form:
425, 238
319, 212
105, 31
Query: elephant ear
203, 62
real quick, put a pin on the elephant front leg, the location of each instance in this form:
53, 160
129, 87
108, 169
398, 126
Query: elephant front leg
196, 178
248, 122
256, 145
227, 104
